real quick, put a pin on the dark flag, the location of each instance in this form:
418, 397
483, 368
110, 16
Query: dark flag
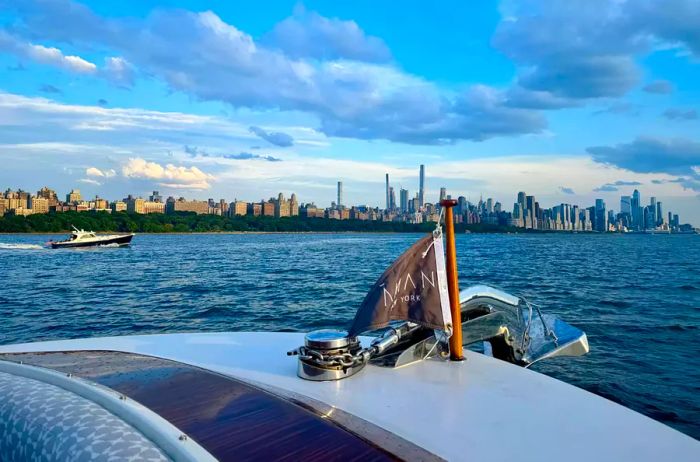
413, 288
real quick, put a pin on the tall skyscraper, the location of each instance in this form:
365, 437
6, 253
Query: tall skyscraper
388, 199
601, 218
530, 215
340, 194
403, 200
637, 217
421, 188
659, 214
626, 205
392, 199
443, 193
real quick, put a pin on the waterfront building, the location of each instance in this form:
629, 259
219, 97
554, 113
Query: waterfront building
73, 197
281, 206
153, 207
637, 211
39, 205
626, 205
99, 204
388, 200
134, 204
50, 195
255, 209
392, 199
118, 206
601, 219
268, 208
238, 208
340, 194
530, 215
357, 214
293, 206
589, 216
3, 206
173, 205
403, 200
421, 187
311, 211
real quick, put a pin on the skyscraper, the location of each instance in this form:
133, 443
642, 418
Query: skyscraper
601, 218
443, 193
388, 200
659, 214
340, 194
421, 188
530, 216
626, 205
403, 199
392, 199
637, 217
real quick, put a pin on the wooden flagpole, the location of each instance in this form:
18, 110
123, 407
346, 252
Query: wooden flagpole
453, 281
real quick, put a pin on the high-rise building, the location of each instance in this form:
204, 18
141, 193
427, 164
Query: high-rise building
626, 205
421, 187
530, 212
659, 214
155, 197
239, 208
134, 204
601, 218
636, 205
388, 200
39, 204
443, 193
293, 205
281, 206
392, 199
340, 194
403, 200
182, 205
73, 196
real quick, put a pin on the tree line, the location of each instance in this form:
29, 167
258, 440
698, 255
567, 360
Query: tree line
189, 222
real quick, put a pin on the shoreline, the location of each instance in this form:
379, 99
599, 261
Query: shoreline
532, 232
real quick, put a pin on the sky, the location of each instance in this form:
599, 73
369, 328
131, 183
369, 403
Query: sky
568, 101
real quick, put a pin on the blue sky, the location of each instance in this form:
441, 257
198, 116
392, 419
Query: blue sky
569, 101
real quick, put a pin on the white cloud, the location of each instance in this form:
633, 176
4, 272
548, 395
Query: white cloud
90, 181
170, 176
119, 70
96, 172
54, 57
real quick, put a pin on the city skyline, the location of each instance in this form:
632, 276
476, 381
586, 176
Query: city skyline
300, 96
527, 212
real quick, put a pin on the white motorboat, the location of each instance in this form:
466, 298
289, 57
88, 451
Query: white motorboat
82, 238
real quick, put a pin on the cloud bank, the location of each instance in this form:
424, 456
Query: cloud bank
170, 176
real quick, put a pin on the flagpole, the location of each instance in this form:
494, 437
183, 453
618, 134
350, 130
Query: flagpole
453, 281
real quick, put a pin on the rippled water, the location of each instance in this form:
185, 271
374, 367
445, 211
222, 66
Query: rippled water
636, 296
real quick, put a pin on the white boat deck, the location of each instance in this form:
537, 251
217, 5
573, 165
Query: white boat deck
481, 409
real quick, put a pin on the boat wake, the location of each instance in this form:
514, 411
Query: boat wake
6, 246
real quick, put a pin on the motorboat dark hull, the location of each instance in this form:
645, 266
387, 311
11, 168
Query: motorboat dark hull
118, 240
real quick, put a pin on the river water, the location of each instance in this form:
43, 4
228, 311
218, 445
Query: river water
636, 296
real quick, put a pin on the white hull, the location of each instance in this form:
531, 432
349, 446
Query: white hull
481, 409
